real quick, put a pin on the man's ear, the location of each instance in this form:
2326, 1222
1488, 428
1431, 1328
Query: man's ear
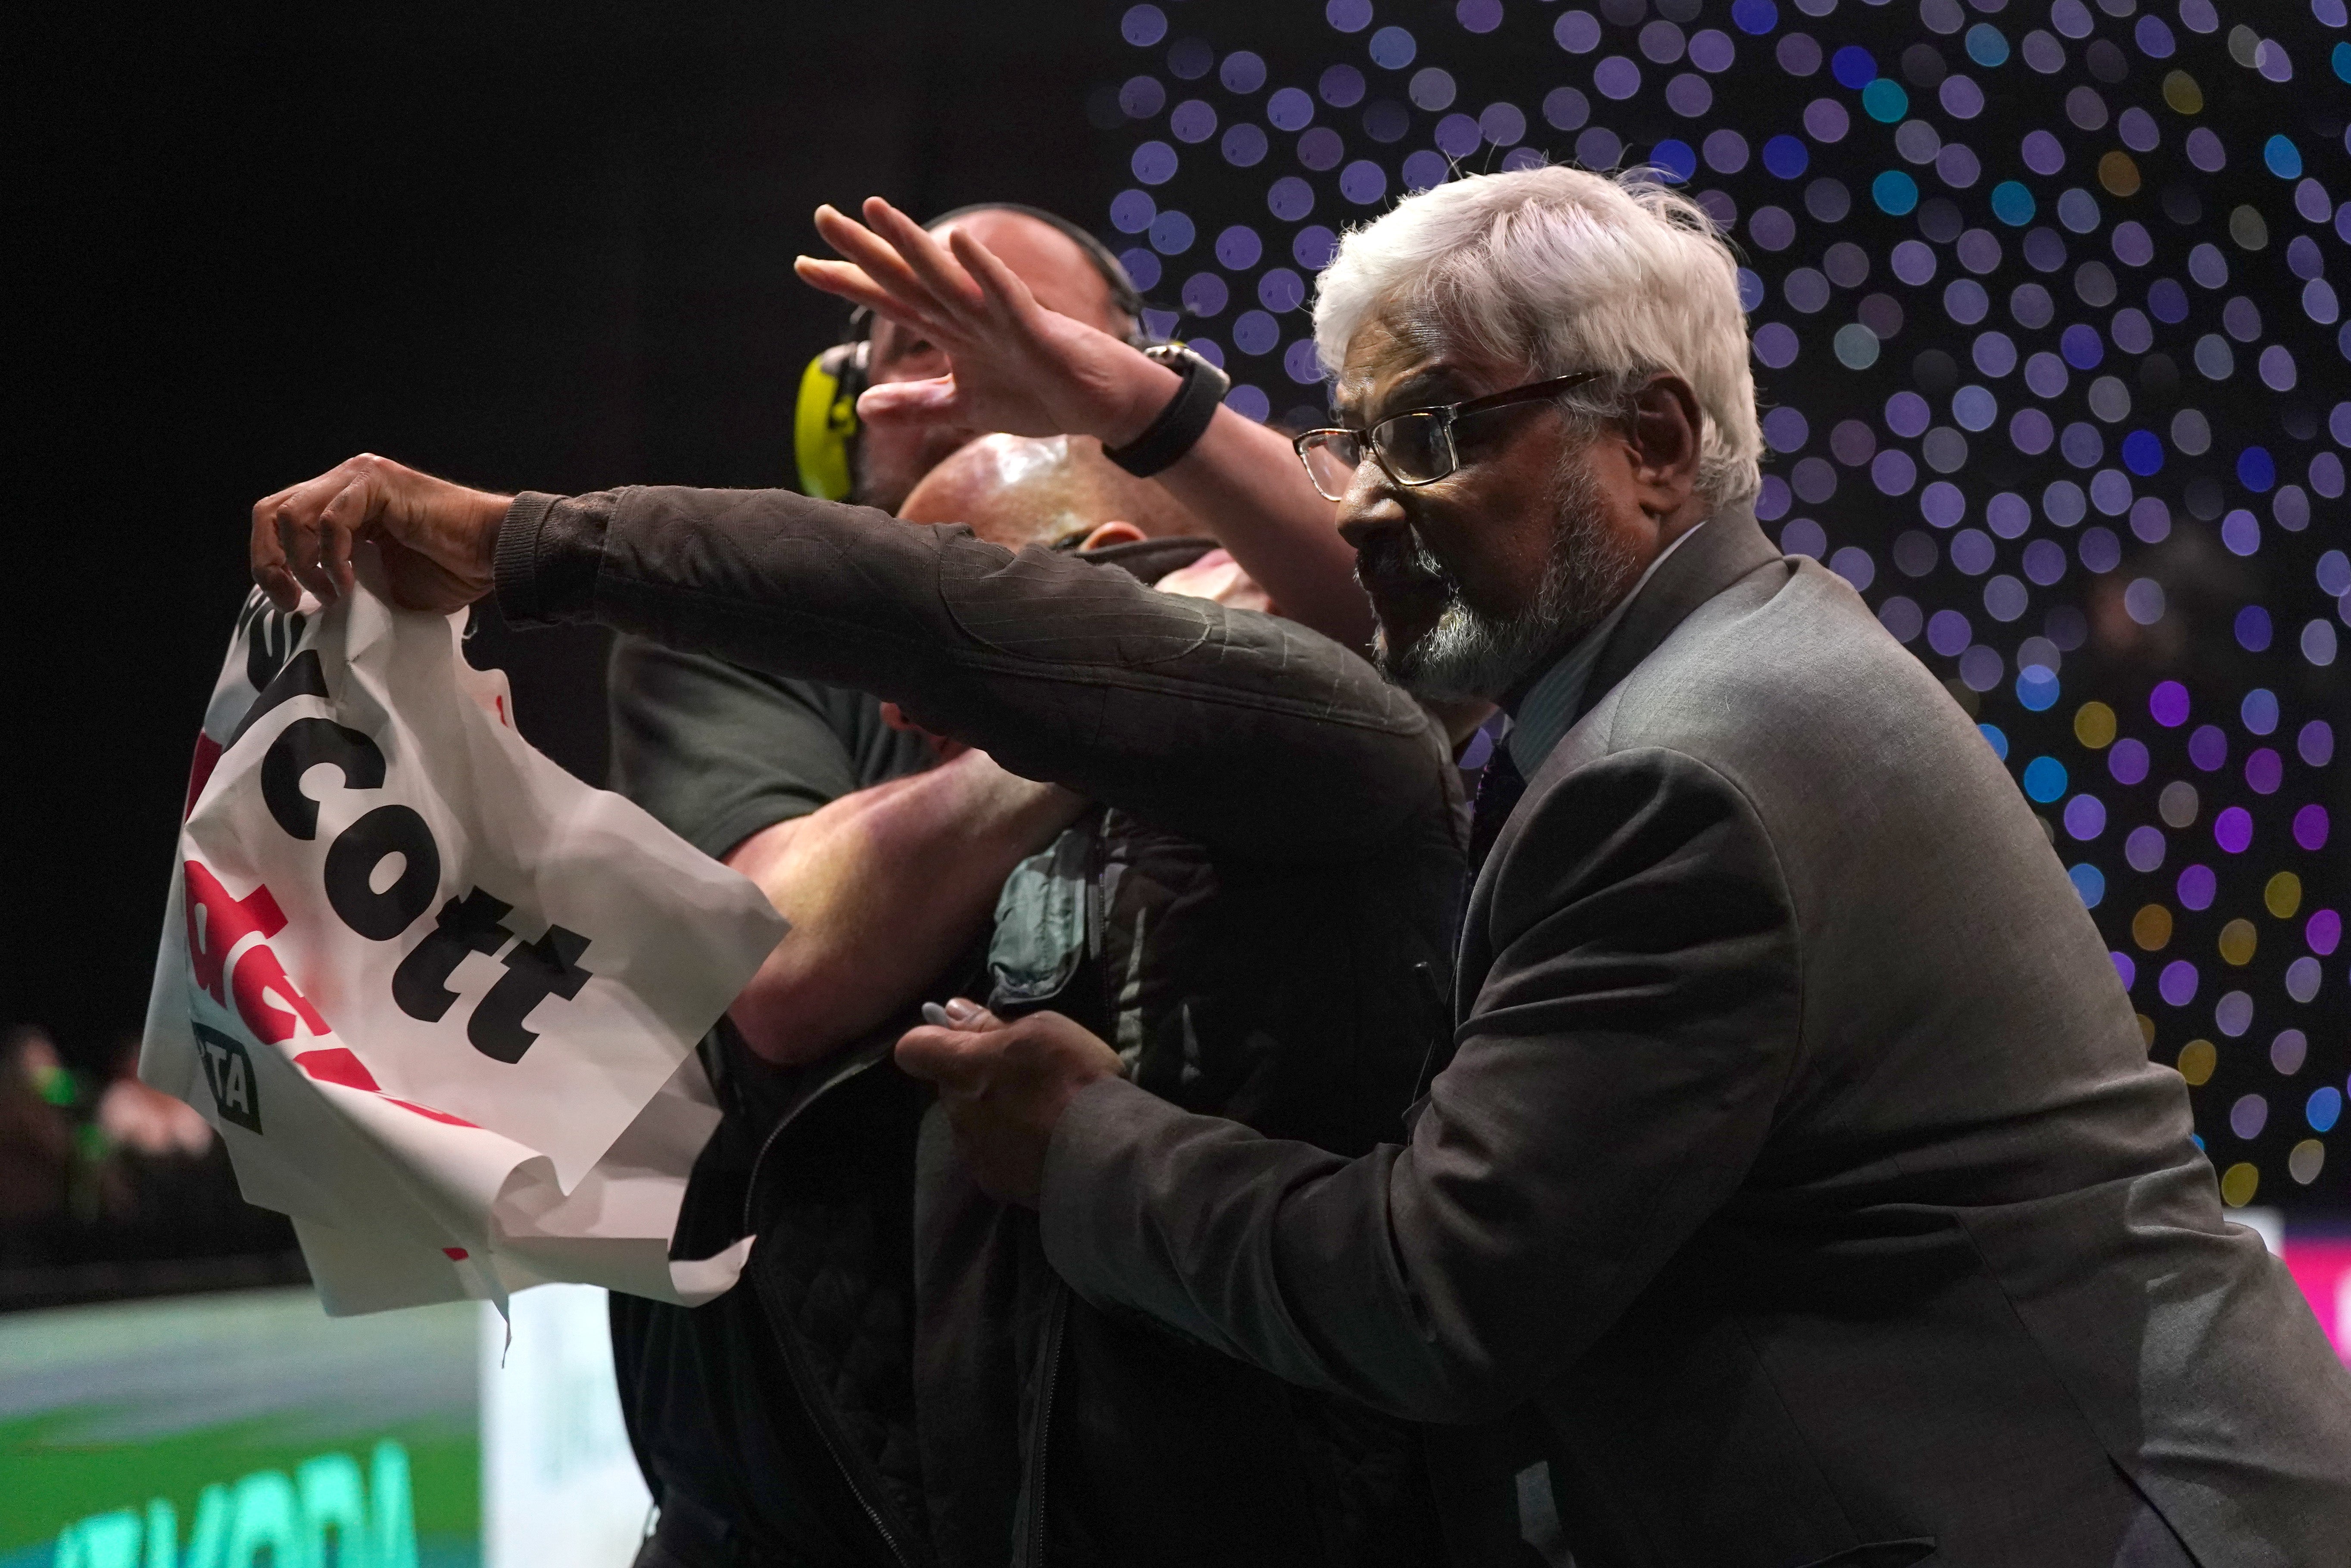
1111, 533
1664, 431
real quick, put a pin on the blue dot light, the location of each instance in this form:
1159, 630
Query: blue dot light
2044, 779
2012, 203
1853, 67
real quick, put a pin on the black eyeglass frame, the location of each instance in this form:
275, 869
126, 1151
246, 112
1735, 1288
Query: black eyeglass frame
1447, 416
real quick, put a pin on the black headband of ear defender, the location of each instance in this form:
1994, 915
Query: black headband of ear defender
824, 420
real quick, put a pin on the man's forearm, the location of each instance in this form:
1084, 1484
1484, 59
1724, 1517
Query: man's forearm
883, 888
1246, 732
1244, 480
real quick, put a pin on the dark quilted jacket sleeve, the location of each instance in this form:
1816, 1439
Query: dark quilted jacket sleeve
1245, 732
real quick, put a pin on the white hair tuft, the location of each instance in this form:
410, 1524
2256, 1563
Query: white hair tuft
1563, 270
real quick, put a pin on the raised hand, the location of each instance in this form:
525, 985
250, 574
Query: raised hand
1016, 366
1005, 1086
433, 540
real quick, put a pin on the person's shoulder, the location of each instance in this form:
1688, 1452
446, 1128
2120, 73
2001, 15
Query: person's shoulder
1784, 661
642, 673
1834, 733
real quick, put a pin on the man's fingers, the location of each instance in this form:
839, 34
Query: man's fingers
876, 257
942, 1055
848, 281
845, 280
335, 556
319, 547
284, 545
1000, 284
273, 548
962, 1012
945, 275
266, 555
934, 400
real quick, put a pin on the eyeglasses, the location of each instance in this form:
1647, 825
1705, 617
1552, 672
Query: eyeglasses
1412, 448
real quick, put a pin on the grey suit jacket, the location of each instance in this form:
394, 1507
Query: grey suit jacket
1800, 1181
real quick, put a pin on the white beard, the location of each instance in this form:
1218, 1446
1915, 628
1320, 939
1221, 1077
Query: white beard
1469, 655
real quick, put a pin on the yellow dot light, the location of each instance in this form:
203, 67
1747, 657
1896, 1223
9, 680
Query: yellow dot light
2238, 1187
2094, 726
2238, 940
2197, 1060
2151, 928
2146, 1030
2283, 896
2119, 174
2181, 91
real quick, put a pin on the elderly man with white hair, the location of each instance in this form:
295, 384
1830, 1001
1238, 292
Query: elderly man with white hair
1799, 1190
1796, 1189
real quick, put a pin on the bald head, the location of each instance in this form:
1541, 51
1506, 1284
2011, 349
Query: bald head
1016, 492
1056, 268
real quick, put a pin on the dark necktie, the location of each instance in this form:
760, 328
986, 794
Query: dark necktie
1498, 789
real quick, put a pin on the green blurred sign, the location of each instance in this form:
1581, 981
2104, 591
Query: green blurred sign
219, 1431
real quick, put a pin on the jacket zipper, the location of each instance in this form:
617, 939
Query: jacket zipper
803, 1376
820, 1414
1040, 1445
1057, 1316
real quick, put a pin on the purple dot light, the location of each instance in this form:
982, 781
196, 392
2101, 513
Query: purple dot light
1907, 415
2085, 816
2177, 984
2324, 932
2168, 704
2196, 887
2208, 748
1363, 182
2249, 1115
2315, 743
2310, 826
2126, 970
1616, 78
1478, 15
2232, 830
2127, 762
2264, 770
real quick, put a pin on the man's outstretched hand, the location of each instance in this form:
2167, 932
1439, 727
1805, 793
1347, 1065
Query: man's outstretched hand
1005, 1086
433, 540
1017, 365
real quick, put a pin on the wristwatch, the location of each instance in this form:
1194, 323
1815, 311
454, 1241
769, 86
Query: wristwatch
1185, 418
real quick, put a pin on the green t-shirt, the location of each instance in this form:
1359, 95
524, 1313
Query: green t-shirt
716, 752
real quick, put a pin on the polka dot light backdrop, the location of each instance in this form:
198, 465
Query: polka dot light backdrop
2048, 304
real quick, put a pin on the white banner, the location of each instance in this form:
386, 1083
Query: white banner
439, 997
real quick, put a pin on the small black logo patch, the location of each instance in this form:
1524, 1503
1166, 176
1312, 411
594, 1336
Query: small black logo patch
229, 1071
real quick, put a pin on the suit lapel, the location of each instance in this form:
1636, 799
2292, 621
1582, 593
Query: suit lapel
1729, 546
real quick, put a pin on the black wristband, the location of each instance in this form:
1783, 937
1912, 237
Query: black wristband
1182, 421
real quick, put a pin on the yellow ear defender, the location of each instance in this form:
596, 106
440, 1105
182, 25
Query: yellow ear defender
824, 420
